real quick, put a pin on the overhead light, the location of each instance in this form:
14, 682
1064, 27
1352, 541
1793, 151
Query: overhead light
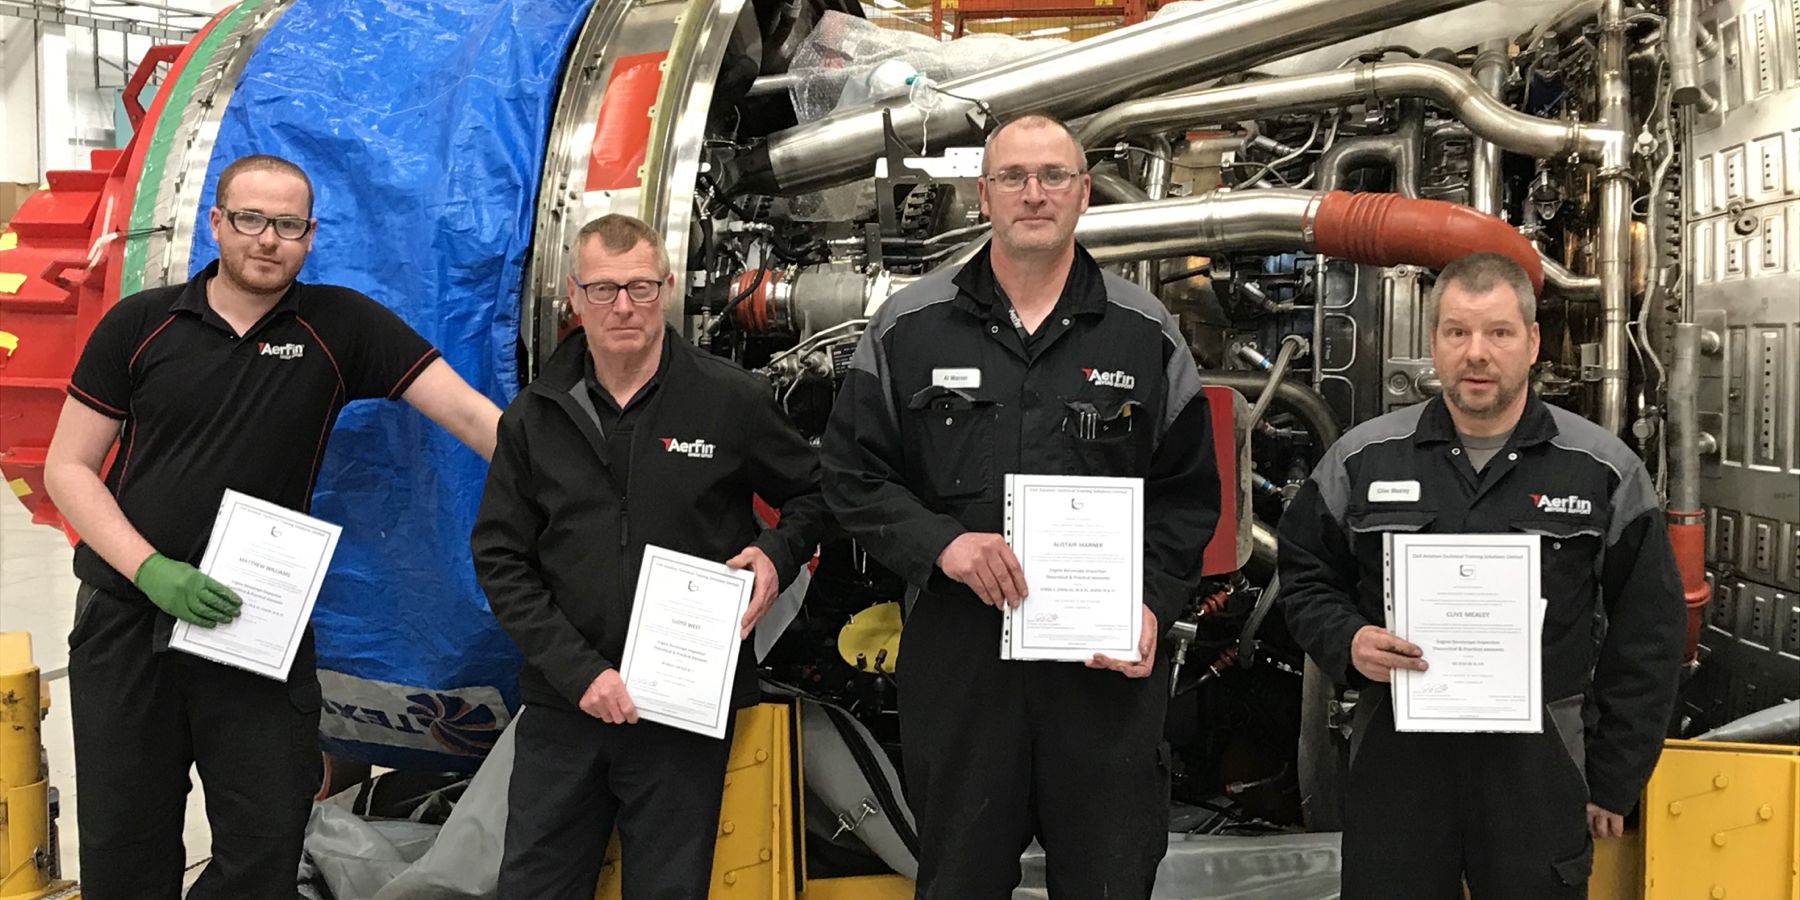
888, 4
1045, 32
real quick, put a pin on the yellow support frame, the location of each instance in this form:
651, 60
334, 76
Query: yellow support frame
761, 852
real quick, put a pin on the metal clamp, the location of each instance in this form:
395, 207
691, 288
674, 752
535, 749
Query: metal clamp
846, 823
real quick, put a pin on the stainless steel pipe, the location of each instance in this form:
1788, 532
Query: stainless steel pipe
1684, 420
1440, 83
1171, 50
1491, 65
1614, 239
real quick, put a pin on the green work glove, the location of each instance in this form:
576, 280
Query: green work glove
185, 592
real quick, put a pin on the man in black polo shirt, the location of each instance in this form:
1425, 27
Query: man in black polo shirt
232, 380
631, 436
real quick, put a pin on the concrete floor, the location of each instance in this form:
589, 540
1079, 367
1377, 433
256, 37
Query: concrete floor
37, 595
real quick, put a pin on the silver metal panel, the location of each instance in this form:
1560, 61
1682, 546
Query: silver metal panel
1347, 342
1407, 354
1760, 548
1753, 62
614, 29
1743, 221
1372, 355
1747, 289
1746, 168
678, 130
1750, 657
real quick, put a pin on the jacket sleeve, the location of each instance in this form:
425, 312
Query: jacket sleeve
784, 471
504, 545
1318, 571
1181, 492
862, 456
1640, 656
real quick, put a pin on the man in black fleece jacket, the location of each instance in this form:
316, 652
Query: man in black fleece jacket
631, 436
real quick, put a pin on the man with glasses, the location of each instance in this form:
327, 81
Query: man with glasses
1028, 359
631, 436
230, 380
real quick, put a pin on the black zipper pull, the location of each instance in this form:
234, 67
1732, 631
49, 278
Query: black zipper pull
624, 527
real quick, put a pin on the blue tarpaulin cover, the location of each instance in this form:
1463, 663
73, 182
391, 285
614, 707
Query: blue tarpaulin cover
423, 126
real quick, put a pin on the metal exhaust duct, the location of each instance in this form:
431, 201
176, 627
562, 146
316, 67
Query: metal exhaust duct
1487, 117
1218, 39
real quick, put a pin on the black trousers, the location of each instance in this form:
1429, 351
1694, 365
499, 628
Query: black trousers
997, 752
1507, 812
142, 717
574, 777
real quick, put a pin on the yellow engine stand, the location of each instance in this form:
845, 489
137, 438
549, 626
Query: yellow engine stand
25, 849
1720, 822
761, 852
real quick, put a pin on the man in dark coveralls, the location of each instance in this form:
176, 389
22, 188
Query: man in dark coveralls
1513, 814
1028, 359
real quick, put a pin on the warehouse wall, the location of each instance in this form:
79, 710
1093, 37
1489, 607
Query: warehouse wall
59, 90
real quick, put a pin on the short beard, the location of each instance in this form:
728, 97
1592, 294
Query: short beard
237, 278
1504, 395
1053, 244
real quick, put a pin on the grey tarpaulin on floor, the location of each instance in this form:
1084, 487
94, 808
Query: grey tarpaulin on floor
1219, 867
1775, 725
361, 860
383, 860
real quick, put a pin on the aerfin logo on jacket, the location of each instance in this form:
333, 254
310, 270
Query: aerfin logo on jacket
283, 351
1570, 505
1117, 379
694, 449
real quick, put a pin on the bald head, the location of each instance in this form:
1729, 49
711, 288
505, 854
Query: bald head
1035, 122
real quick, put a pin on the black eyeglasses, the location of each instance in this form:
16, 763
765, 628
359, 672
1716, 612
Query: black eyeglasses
251, 224
1050, 178
640, 291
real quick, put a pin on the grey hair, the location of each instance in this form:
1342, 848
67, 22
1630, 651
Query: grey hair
1479, 273
620, 233
1034, 120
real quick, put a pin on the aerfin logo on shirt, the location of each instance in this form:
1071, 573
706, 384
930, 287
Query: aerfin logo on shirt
281, 351
1118, 379
694, 449
1570, 505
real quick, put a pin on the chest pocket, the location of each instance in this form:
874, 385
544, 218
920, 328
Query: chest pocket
1367, 525
1375, 520
950, 442
1571, 549
1103, 437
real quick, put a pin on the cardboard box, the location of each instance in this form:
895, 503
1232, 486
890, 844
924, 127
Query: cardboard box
12, 196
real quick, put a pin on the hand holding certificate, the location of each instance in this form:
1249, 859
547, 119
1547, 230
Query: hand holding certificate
1471, 603
275, 559
1080, 542
681, 651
